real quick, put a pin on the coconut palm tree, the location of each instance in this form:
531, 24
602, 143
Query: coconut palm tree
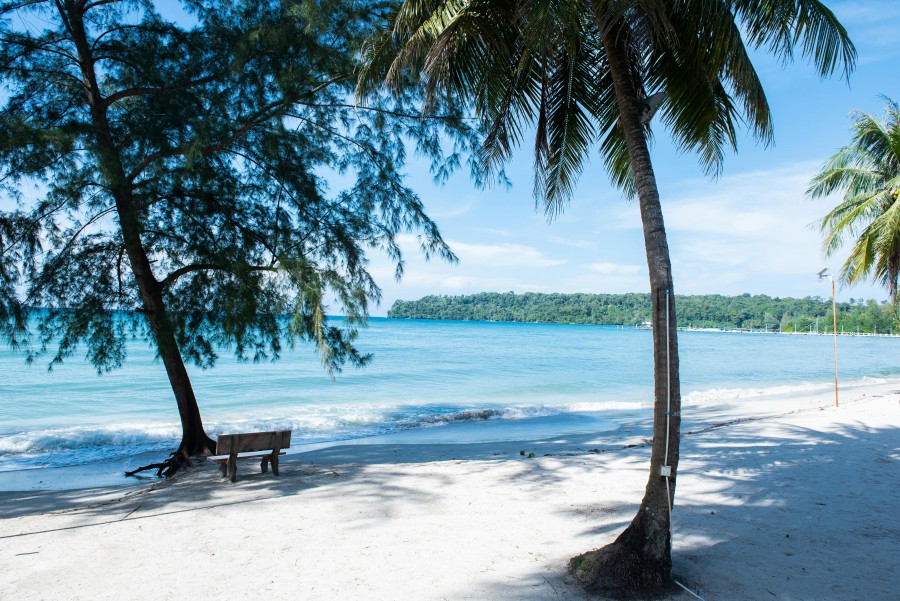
578, 75
867, 172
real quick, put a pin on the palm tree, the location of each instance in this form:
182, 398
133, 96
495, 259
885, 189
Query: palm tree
578, 74
868, 173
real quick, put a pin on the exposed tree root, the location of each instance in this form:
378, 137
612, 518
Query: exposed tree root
622, 570
179, 459
166, 468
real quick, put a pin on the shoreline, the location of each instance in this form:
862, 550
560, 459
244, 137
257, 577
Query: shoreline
795, 500
644, 327
72, 416
480, 436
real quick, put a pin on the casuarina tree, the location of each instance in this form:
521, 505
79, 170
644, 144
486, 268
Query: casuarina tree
169, 178
581, 76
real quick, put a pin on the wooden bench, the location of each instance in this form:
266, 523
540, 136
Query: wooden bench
229, 447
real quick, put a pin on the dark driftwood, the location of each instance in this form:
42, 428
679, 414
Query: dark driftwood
153, 466
181, 457
166, 468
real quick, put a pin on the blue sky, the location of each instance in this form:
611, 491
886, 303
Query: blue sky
748, 231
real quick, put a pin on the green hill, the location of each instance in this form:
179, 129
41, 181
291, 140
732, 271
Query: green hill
700, 311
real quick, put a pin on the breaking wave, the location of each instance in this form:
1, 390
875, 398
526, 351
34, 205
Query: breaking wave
323, 423
728, 394
57, 447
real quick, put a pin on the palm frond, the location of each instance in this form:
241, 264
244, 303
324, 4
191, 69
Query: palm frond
887, 264
379, 54
570, 130
504, 106
850, 169
874, 137
859, 263
613, 147
867, 172
782, 25
539, 64
849, 218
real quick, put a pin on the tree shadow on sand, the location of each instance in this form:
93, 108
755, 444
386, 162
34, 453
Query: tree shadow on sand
790, 513
765, 510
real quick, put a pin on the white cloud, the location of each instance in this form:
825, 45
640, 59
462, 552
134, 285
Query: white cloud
502, 255
496, 232
572, 243
605, 278
872, 26
746, 232
624, 216
448, 211
615, 269
868, 11
751, 232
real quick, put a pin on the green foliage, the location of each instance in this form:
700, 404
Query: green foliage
867, 172
541, 67
215, 140
699, 311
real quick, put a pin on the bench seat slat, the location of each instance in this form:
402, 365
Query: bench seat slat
227, 444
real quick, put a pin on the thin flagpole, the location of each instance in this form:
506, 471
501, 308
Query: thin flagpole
834, 315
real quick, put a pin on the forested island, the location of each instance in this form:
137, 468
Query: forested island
746, 312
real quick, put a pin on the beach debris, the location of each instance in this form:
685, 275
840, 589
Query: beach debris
129, 513
165, 468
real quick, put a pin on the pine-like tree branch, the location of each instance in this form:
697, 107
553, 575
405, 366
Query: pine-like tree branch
254, 121
155, 91
182, 271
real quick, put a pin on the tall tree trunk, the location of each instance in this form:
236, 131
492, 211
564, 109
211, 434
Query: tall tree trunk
638, 563
194, 440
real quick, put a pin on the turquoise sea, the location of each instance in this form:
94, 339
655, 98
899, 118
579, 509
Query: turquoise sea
504, 381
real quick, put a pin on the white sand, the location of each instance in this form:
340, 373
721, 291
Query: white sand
800, 502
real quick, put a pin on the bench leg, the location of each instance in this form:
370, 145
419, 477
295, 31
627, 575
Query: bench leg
275, 455
264, 464
223, 468
232, 468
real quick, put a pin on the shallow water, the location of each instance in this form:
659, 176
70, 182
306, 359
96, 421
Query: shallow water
504, 381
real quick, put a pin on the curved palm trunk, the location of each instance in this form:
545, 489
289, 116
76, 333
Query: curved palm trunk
194, 439
639, 562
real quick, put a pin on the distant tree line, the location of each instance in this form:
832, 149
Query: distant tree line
700, 311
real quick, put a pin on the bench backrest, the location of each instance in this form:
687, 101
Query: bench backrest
252, 441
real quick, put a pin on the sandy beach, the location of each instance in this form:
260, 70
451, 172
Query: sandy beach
778, 499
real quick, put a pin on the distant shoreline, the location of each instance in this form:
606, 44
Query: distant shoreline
646, 327
705, 311
742, 331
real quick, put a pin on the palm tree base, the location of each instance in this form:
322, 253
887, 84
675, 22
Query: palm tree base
625, 569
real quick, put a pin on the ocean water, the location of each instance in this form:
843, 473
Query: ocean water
505, 381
